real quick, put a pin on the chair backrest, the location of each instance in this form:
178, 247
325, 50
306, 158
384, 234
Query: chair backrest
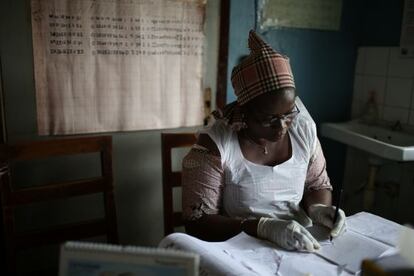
12, 198
172, 179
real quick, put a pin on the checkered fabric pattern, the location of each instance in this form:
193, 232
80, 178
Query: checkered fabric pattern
232, 116
264, 70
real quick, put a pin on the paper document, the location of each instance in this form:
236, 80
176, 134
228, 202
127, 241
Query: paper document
406, 245
246, 255
215, 259
347, 250
375, 227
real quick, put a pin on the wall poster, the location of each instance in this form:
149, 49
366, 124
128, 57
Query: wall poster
306, 14
117, 65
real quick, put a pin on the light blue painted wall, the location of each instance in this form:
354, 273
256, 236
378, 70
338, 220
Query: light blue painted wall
322, 61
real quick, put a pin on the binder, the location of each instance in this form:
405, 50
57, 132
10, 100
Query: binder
86, 258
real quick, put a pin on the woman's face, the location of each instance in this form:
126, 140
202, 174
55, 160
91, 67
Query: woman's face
270, 115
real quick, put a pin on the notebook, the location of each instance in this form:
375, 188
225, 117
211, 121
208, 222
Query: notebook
85, 258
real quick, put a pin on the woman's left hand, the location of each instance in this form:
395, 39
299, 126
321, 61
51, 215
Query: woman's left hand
324, 215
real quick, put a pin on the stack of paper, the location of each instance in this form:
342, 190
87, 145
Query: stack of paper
246, 255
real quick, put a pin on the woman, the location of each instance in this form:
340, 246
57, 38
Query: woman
259, 167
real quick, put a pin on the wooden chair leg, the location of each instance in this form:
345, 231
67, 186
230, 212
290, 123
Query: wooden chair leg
8, 228
110, 213
11, 261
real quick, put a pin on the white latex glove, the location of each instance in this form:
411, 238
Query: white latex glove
324, 215
288, 234
286, 210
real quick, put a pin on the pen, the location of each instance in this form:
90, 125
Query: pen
336, 210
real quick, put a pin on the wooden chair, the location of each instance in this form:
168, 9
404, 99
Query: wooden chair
12, 198
170, 178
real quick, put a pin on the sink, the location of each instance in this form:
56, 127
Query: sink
380, 141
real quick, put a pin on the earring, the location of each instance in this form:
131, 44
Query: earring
243, 121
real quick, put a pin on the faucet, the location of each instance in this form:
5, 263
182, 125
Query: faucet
397, 126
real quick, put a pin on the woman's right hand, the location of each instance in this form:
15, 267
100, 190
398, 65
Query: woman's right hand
288, 234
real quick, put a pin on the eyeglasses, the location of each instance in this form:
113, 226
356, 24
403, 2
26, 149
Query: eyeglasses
277, 119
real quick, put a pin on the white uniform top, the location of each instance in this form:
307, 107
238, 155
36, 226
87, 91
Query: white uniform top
253, 190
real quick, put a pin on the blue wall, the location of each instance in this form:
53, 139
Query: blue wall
322, 61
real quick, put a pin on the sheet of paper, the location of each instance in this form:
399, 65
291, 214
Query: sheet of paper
117, 65
375, 227
347, 251
350, 249
214, 259
246, 255
406, 244
296, 266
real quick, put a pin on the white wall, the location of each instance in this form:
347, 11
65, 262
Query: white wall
381, 69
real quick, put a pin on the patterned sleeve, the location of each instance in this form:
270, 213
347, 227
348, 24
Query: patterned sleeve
202, 183
317, 177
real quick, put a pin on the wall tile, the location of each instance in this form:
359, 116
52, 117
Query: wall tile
376, 60
360, 62
381, 112
393, 114
376, 84
411, 120
412, 96
359, 108
398, 66
358, 87
356, 109
398, 92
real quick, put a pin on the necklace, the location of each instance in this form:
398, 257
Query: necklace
251, 140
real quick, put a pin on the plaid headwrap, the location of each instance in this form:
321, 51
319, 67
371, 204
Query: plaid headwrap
262, 71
